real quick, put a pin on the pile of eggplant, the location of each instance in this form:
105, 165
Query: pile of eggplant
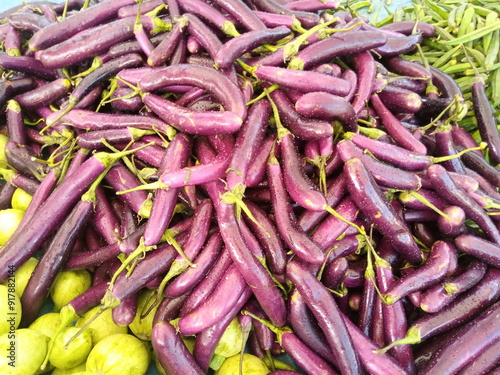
283, 163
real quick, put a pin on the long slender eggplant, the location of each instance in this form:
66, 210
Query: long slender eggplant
370, 200
329, 317
53, 260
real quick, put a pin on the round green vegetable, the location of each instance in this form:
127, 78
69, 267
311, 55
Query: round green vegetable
3, 141
23, 275
68, 285
231, 341
64, 355
10, 309
252, 365
22, 352
103, 326
9, 221
47, 323
142, 327
21, 199
117, 355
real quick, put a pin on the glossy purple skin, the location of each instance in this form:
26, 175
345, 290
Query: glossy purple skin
222, 299
407, 27
203, 34
370, 200
446, 187
306, 327
121, 179
133, 9
301, 126
44, 189
479, 165
26, 64
399, 45
308, 19
328, 106
6, 192
429, 274
445, 146
90, 298
50, 214
384, 174
392, 153
164, 50
268, 237
44, 95
295, 238
209, 79
337, 45
365, 68
485, 361
89, 120
242, 12
303, 356
205, 287
171, 351
104, 72
169, 308
486, 121
25, 183
28, 21
467, 306
335, 191
394, 128
405, 67
455, 225
467, 343
299, 186
436, 298
254, 273
485, 250
53, 260
187, 280
156, 263
192, 121
400, 100
331, 227
87, 44
104, 220
202, 220
80, 21
328, 315
395, 321
175, 157
124, 313
238, 46
257, 168
93, 140
207, 340
247, 144
203, 10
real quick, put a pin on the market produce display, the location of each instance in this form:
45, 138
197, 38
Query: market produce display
250, 187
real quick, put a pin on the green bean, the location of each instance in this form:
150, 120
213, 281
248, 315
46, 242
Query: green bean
457, 68
446, 57
477, 55
491, 18
441, 10
476, 34
461, 14
466, 21
492, 52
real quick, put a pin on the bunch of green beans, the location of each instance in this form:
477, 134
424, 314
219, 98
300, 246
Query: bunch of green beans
466, 45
